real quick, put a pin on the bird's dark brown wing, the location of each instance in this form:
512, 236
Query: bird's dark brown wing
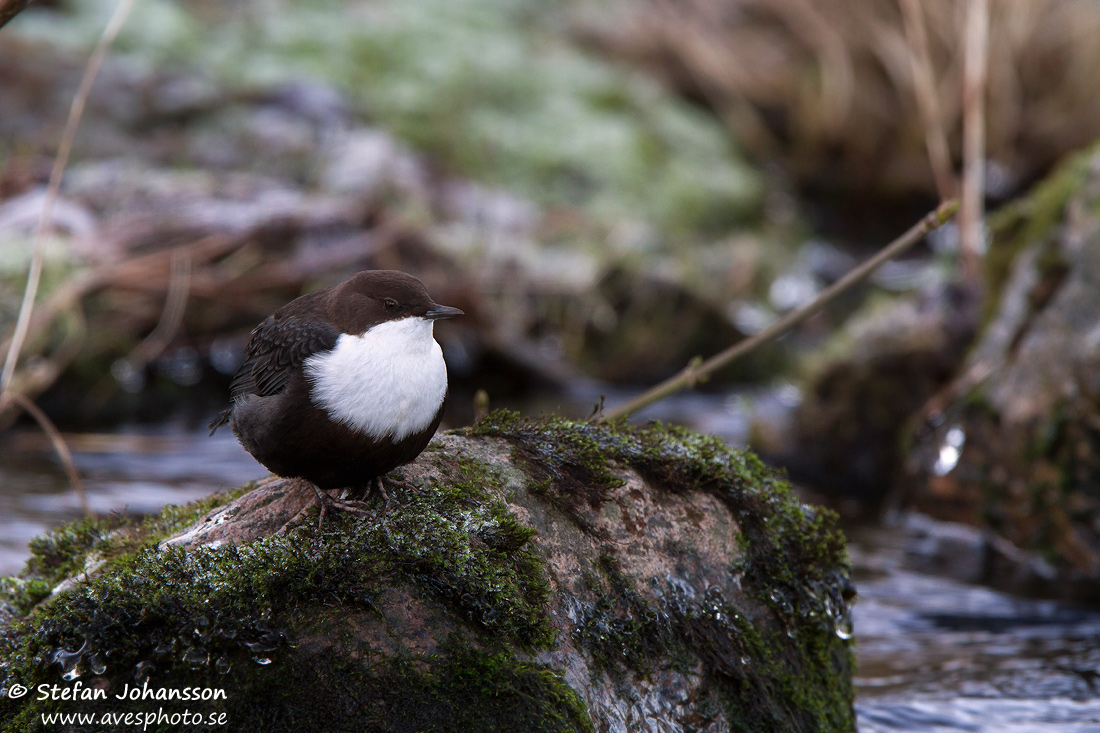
276, 348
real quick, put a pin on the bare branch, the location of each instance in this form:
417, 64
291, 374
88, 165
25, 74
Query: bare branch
971, 215
59, 444
11, 8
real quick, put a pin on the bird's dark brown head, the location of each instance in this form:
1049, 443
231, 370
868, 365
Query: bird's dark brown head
376, 296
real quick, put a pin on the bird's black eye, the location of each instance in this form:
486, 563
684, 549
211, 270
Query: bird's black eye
390, 303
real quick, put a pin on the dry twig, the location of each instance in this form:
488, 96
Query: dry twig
935, 136
175, 302
971, 224
58, 442
11, 8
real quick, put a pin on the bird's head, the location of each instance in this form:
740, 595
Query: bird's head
372, 297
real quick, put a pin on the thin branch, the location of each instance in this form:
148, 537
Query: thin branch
76, 111
175, 303
59, 445
11, 8
971, 214
698, 371
935, 136
35, 379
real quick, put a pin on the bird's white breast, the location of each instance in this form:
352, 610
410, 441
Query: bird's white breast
390, 381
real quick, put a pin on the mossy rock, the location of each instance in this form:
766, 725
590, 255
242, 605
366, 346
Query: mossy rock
867, 384
1015, 448
536, 575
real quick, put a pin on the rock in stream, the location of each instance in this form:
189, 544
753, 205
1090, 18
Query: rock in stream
536, 575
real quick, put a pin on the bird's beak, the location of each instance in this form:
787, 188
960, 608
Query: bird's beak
438, 312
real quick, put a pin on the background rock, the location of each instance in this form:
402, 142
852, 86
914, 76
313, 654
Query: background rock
1014, 445
866, 387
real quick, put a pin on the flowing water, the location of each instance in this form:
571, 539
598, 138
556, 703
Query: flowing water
934, 655
937, 655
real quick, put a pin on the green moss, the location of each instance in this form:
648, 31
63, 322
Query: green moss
19, 595
471, 690
789, 544
767, 678
163, 611
461, 688
63, 552
563, 454
623, 629
1032, 220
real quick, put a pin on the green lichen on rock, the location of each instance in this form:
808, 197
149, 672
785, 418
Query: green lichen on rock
1033, 220
794, 565
164, 610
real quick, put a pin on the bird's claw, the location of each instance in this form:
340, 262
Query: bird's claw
326, 500
376, 486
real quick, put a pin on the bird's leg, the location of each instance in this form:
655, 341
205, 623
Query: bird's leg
376, 485
325, 500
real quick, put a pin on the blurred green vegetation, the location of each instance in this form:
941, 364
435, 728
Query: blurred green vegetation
496, 90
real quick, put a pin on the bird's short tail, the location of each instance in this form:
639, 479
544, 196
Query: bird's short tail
221, 419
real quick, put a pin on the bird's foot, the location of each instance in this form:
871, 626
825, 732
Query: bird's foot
376, 487
326, 501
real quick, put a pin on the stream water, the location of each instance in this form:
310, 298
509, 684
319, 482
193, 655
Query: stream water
934, 655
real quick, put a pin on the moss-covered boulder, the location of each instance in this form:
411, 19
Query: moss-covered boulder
866, 386
1016, 447
524, 575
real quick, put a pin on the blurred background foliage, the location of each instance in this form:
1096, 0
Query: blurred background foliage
612, 188
492, 89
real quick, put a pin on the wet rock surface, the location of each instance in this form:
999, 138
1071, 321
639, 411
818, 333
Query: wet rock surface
969, 554
983, 419
525, 575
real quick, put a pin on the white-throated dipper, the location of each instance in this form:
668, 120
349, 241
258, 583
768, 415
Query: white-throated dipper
340, 386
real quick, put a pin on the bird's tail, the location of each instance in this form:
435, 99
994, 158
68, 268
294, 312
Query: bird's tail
221, 419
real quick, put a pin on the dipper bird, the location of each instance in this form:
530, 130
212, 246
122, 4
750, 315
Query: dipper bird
342, 385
